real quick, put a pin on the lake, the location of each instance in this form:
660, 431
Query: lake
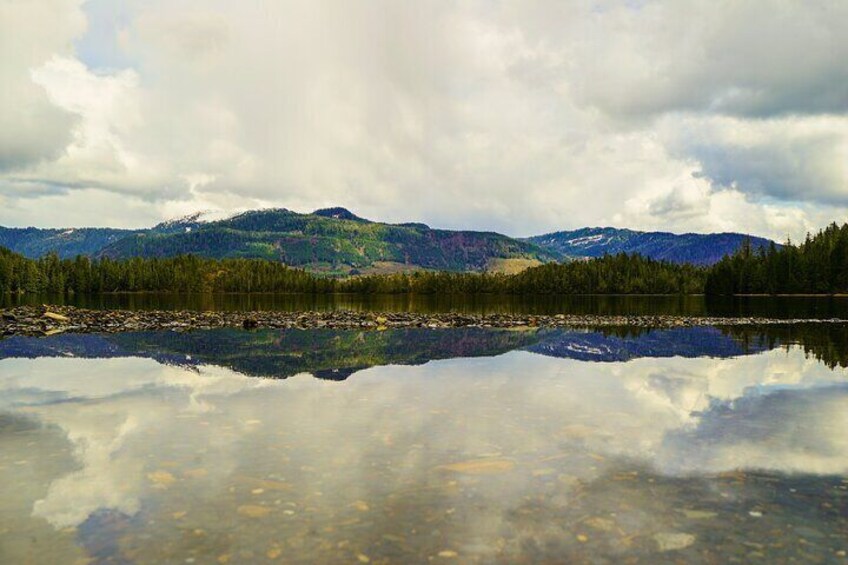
471, 445
786, 307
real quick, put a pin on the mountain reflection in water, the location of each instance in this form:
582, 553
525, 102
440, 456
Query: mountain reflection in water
336, 354
695, 444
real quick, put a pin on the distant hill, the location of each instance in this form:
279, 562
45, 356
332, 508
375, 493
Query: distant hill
337, 241
698, 249
35, 242
332, 240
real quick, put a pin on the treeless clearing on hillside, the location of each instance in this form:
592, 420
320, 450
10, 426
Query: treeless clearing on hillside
511, 266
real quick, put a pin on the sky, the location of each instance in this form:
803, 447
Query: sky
516, 116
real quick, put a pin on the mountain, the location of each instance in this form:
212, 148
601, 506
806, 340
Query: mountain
70, 242
331, 240
180, 225
699, 249
35, 242
337, 241
338, 214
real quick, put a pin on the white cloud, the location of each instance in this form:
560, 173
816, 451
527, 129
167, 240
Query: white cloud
516, 117
791, 158
741, 58
108, 113
31, 128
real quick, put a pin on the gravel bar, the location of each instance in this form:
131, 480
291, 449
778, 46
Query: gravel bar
49, 320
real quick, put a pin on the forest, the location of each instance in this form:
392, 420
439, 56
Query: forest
819, 265
611, 274
615, 274
186, 273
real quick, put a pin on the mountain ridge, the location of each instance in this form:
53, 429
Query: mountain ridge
690, 247
330, 240
334, 240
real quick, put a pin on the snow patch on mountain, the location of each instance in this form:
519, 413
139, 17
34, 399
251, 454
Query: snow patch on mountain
197, 218
589, 240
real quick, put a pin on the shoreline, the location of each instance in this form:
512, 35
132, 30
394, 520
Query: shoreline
51, 320
462, 294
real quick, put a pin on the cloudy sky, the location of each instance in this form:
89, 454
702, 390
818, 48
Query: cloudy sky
511, 115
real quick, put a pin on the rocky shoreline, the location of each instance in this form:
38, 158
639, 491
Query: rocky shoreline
50, 320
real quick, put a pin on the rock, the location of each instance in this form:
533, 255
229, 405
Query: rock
599, 523
480, 466
699, 514
28, 320
161, 478
672, 541
253, 511
56, 317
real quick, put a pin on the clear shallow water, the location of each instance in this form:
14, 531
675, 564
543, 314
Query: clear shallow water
695, 445
775, 307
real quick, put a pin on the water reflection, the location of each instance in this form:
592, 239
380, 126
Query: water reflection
784, 307
337, 354
491, 452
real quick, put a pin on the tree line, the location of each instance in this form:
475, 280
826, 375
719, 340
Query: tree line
615, 274
818, 265
185, 273
612, 274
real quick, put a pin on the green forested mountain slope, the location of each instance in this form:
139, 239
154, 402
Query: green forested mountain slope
695, 248
336, 241
332, 240
35, 242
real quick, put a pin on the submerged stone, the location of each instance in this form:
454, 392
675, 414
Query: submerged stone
253, 511
480, 466
672, 541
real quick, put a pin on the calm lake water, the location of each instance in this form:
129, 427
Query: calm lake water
777, 307
696, 445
